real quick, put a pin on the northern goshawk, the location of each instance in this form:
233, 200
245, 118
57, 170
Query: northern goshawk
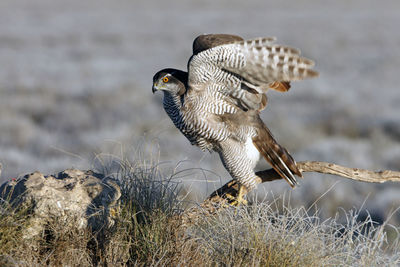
216, 104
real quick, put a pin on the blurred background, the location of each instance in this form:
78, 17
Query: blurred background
76, 76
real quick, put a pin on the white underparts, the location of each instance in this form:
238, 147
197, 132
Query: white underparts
252, 151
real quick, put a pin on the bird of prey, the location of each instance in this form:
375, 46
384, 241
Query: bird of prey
216, 104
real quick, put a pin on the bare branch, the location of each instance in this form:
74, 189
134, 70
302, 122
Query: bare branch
350, 173
231, 187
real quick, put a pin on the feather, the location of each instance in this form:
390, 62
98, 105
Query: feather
207, 41
280, 86
277, 156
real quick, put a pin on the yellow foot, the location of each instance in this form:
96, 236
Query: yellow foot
238, 200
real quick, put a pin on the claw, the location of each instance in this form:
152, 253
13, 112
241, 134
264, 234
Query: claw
238, 200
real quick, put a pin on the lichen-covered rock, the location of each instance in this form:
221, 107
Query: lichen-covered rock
73, 197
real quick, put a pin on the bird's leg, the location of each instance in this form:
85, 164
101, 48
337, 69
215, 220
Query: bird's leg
239, 198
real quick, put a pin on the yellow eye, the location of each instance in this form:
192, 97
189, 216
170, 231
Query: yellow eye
165, 79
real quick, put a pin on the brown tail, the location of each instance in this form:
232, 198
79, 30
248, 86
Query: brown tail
277, 156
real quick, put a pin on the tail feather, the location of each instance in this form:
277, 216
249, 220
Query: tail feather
277, 156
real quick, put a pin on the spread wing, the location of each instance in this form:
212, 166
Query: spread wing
263, 64
246, 69
207, 41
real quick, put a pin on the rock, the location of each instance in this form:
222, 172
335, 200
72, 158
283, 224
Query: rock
75, 198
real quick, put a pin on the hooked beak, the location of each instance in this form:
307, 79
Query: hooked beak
154, 88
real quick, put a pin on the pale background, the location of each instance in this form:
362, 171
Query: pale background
75, 81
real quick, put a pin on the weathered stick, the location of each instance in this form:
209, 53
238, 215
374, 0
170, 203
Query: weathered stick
350, 173
231, 187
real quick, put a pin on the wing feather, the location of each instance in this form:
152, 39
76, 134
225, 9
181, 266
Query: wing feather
246, 68
280, 86
258, 60
207, 41
263, 65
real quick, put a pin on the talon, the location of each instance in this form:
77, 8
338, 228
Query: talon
238, 200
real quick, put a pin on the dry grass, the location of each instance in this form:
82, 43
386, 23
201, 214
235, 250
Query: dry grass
59, 245
260, 236
148, 232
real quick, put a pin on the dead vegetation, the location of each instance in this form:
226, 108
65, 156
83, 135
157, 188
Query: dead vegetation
148, 231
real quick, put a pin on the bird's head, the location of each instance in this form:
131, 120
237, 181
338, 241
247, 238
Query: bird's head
170, 80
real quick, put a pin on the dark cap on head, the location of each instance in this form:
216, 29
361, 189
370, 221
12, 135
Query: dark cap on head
178, 74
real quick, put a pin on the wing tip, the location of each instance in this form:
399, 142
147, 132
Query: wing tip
312, 73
